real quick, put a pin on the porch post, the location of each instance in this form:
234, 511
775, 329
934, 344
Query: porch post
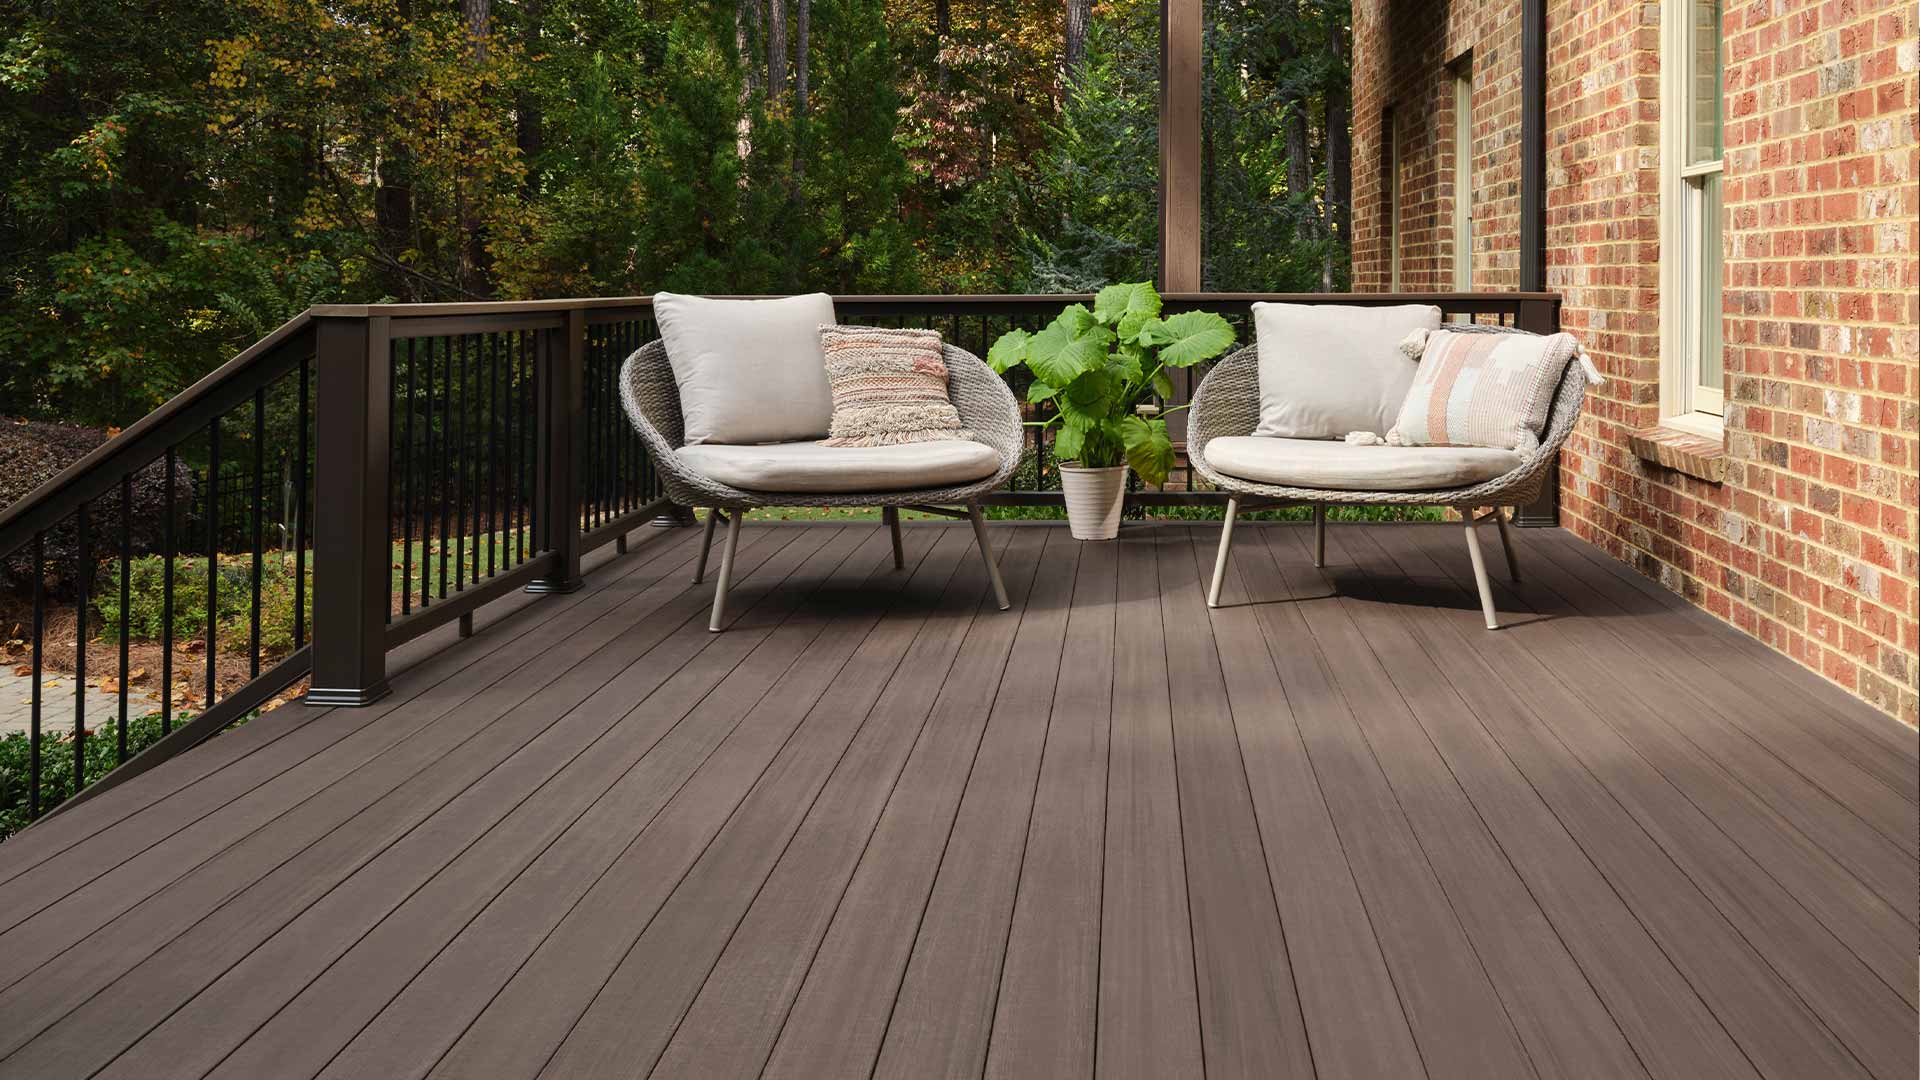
1180, 91
352, 563
1541, 317
563, 360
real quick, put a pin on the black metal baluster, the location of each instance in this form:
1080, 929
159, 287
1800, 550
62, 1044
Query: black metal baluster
510, 373
525, 403
427, 489
446, 458
259, 531
406, 495
493, 453
126, 602
39, 665
590, 482
300, 515
83, 578
460, 471
166, 597
213, 551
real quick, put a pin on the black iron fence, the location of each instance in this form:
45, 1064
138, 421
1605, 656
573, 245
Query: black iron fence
368, 473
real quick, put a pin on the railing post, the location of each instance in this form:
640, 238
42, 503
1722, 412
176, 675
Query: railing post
563, 360
1541, 317
351, 554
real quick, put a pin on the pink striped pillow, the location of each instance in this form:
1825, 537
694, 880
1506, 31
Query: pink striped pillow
1483, 390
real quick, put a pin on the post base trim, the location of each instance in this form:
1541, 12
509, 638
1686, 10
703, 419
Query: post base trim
347, 697
546, 586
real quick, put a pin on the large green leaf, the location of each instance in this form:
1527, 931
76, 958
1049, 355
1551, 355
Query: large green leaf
1149, 449
1069, 438
1039, 392
1008, 351
1125, 364
1090, 396
1115, 302
1195, 336
1075, 318
1163, 384
1049, 357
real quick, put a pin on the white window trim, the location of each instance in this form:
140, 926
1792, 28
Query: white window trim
1684, 404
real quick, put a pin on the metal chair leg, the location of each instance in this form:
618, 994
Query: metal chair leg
891, 515
706, 545
1506, 541
986, 556
726, 572
1226, 546
1319, 534
1479, 568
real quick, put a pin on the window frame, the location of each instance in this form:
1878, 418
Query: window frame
1689, 188
1461, 76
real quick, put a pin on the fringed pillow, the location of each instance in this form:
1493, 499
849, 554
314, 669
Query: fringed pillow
889, 387
1483, 390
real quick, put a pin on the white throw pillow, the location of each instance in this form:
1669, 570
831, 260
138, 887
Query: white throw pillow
1328, 369
749, 371
1483, 390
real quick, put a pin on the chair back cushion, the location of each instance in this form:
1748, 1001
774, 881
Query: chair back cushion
749, 371
1328, 369
1483, 390
889, 387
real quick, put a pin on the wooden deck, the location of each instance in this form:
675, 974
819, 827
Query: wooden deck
1331, 829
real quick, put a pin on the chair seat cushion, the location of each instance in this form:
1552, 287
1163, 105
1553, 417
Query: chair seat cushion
1338, 466
813, 467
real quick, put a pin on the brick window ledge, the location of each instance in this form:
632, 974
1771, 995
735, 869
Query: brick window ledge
1682, 451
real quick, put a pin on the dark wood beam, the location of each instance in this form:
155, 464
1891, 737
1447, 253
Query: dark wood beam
1533, 145
1180, 89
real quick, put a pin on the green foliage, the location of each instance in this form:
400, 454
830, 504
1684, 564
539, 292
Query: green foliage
1104, 373
179, 183
56, 764
233, 607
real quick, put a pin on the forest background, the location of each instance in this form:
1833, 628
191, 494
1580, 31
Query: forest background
180, 177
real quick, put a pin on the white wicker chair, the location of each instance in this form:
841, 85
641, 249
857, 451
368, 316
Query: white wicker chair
1227, 403
986, 406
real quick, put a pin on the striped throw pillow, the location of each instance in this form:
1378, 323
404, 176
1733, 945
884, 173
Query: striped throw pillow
889, 387
1483, 390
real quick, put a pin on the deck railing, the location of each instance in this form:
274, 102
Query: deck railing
368, 473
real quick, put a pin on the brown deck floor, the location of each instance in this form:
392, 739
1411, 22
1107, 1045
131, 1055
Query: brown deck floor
1333, 828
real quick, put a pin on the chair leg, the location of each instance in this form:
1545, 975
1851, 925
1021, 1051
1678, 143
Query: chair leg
726, 572
986, 556
891, 515
706, 545
1479, 569
1226, 546
1506, 541
1319, 534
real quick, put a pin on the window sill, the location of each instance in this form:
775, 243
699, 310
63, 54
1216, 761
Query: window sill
1684, 447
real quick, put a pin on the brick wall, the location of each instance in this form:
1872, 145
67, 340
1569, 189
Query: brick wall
1809, 544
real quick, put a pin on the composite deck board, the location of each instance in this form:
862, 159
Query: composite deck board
1846, 977
254, 794
1460, 1023
1854, 728
1725, 693
1148, 1023
1645, 838
1274, 692
1556, 1016
1333, 828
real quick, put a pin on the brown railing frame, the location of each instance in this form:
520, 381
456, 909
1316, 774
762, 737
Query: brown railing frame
350, 350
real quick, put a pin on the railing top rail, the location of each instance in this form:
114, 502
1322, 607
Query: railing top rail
1492, 301
149, 436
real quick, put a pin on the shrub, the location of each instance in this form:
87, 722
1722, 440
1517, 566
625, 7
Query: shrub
56, 765
146, 600
32, 453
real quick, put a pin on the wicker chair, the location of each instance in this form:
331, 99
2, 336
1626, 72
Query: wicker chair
986, 406
1227, 403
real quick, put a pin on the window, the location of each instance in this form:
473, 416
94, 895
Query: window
1462, 70
1691, 273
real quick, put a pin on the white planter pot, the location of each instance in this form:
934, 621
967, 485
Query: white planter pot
1094, 497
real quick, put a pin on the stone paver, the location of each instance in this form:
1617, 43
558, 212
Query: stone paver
56, 703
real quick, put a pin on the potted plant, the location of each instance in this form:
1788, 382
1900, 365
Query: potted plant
1105, 374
